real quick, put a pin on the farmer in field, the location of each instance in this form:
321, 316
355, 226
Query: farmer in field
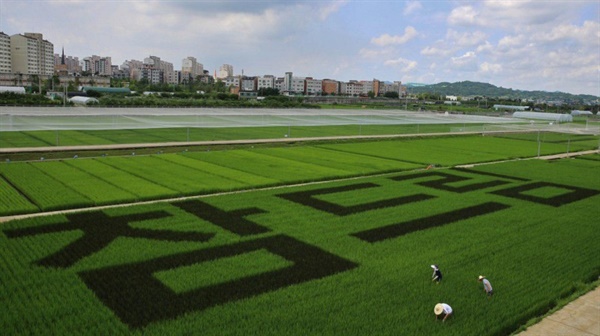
437, 274
487, 286
442, 309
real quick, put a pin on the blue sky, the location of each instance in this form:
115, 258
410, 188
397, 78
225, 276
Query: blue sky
520, 44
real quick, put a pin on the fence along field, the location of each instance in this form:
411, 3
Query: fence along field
349, 257
75, 183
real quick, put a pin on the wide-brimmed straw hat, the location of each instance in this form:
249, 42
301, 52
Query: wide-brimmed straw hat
434, 266
481, 277
438, 309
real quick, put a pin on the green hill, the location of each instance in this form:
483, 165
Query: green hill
468, 88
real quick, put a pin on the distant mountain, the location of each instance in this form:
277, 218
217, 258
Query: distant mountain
468, 88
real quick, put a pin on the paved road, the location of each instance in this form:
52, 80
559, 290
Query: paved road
579, 318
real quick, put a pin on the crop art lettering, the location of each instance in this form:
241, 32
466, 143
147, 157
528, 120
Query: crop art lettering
443, 183
308, 198
423, 223
571, 194
99, 230
138, 298
232, 221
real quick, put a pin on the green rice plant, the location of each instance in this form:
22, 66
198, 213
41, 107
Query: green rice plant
173, 176
143, 189
93, 188
193, 160
43, 190
352, 163
286, 170
19, 139
12, 201
310, 271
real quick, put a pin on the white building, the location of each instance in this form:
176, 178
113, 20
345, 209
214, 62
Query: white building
191, 67
31, 54
232, 81
97, 65
292, 85
5, 58
313, 86
225, 71
351, 88
266, 82
367, 86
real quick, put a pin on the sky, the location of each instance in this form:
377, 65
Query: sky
520, 44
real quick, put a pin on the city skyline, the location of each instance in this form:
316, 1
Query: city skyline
527, 45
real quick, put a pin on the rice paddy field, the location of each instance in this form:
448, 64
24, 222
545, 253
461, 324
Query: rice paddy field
327, 238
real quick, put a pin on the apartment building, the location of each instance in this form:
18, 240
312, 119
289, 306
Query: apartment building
265, 82
249, 83
313, 87
330, 86
31, 54
97, 65
226, 70
70, 64
232, 81
351, 88
154, 70
5, 58
190, 68
292, 85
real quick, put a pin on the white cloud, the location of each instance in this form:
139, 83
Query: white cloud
464, 16
374, 54
386, 39
436, 51
412, 7
465, 39
331, 8
468, 61
490, 68
403, 64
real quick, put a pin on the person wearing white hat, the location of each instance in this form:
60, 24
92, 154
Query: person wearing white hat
442, 309
487, 286
437, 274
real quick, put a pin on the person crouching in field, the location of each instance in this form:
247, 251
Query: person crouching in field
442, 309
487, 286
437, 274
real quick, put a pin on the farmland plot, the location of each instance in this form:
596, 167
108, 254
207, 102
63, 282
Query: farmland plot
46, 192
340, 258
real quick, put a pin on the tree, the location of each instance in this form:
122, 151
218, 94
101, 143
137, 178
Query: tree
265, 92
391, 94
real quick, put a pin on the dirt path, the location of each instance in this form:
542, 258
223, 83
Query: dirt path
580, 317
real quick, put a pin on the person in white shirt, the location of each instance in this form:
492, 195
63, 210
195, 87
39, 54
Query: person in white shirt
487, 286
437, 274
442, 309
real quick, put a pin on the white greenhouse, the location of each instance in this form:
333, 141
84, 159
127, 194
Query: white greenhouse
79, 100
13, 89
579, 112
556, 117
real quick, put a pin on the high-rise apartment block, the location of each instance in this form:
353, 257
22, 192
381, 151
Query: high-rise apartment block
225, 71
97, 65
31, 54
191, 68
66, 64
5, 58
